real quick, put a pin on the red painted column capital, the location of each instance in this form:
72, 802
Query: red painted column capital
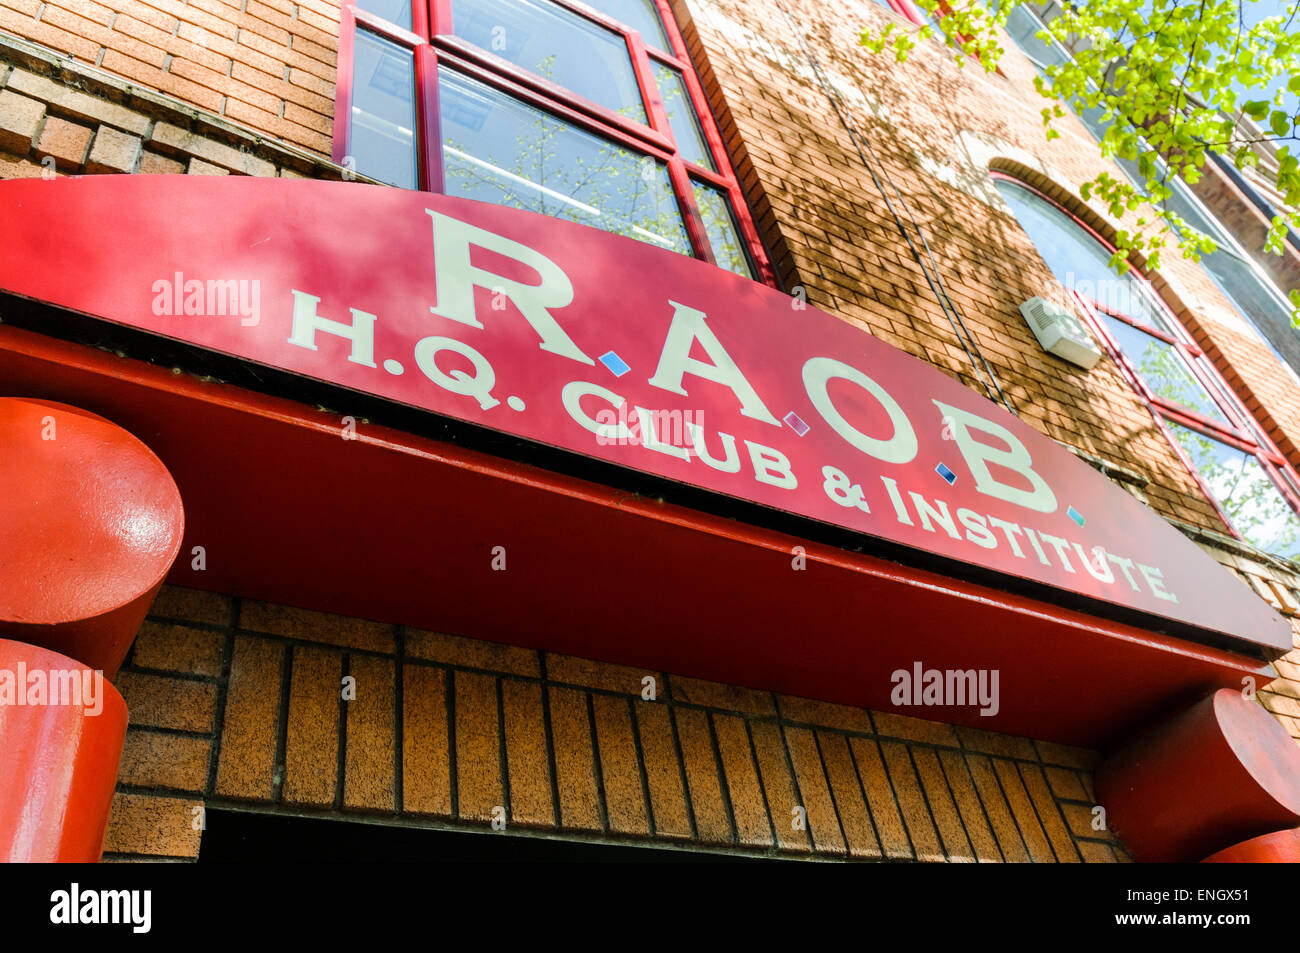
62, 725
90, 523
1216, 774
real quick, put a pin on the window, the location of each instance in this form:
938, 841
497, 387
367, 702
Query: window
1243, 282
935, 21
383, 110
1235, 463
589, 112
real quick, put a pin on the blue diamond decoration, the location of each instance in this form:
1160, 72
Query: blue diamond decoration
1075, 515
947, 474
615, 363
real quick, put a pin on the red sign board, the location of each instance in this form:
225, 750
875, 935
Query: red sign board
612, 348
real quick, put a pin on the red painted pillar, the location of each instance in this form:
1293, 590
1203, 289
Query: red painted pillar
1216, 774
61, 731
90, 523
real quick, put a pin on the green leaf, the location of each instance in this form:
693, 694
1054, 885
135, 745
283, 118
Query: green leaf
1170, 79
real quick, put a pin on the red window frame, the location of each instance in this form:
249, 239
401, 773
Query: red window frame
1246, 433
907, 10
910, 11
432, 43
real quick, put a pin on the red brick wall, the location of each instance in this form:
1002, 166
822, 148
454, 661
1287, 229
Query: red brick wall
1249, 226
62, 118
830, 231
268, 64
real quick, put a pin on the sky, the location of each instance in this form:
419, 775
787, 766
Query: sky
1253, 12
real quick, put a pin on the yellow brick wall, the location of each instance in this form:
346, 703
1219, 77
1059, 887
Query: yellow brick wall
236, 702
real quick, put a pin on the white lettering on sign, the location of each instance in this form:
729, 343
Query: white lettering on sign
1126, 567
1096, 563
934, 516
1013, 456
457, 279
650, 438
999, 464
572, 396
477, 385
1155, 579
675, 361
977, 528
730, 463
771, 466
807, 413
901, 447
306, 322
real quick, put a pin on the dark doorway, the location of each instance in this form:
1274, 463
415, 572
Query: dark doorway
247, 836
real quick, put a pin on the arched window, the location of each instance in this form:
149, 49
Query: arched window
1259, 302
1236, 464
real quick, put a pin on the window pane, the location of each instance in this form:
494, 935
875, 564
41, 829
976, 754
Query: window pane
497, 149
720, 226
640, 15
1163, 369
1023, 28
382, 139
557, 44
681, 116
1254, 504
394, 11
1077, 259
1235, 277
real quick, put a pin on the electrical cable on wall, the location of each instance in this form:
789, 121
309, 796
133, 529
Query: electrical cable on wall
983, 370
